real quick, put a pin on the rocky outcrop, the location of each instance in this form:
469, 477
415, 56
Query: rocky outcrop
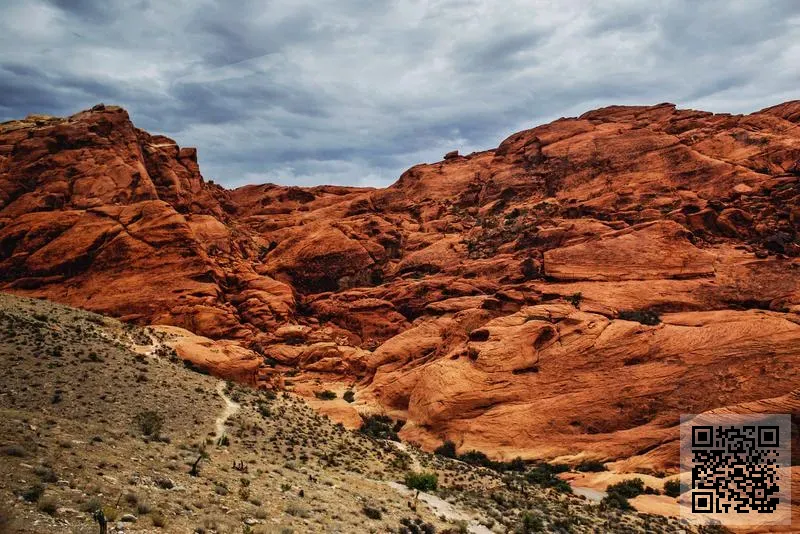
565, 295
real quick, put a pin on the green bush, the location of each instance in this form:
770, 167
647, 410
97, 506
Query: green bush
647, 317
627, 488
325, 395
423, 481
349, 395
672, 488
474, 457
529, 523
544, 475
380, 427
48, 505
149, 422
591, 466
446, 449
615, 500
158, 519
33, 493
372, 513
575, 299
45, 474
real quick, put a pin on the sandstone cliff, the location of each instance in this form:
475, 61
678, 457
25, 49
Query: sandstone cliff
567, 294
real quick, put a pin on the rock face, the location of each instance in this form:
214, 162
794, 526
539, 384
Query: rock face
566, 295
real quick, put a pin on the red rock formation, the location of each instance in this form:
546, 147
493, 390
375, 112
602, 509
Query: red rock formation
505, 299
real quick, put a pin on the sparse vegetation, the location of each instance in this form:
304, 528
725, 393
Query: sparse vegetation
283, 452
349, 395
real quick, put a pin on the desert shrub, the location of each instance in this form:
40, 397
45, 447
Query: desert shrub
627, 488
592, 466
14, 450
92, 505
297, 510
372, 513
615, 500
6, 519
264, 409
325, 395
349, 395
164, 483
34, 492
713, 528
647, 317
529, 523
544, 475
143, 508
575, 299
149, 422
158, 519
672, 488
380, 427
517, 464
45, 474
48, 505
474, 457
446, 449
111, 512
423, 481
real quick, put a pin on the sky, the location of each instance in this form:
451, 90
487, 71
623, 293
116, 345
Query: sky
354, 92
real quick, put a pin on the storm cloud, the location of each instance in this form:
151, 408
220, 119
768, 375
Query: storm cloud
355, 91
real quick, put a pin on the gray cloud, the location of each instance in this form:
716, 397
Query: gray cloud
356, 91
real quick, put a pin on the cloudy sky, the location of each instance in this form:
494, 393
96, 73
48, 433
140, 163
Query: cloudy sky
355, 91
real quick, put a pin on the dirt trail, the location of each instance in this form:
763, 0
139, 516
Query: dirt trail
441, 507
231, 408
415, 465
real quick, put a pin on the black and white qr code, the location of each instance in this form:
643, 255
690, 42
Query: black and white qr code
740, 467
735, 468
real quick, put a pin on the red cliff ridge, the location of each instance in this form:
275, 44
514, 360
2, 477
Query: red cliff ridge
566, 295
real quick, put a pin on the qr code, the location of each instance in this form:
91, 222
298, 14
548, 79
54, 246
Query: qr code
737, 463
736, 466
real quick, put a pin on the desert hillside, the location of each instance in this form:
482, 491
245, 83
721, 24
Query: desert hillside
565, 296
100, 415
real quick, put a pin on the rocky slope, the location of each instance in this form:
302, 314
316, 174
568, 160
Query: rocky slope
75, 437
565, 295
